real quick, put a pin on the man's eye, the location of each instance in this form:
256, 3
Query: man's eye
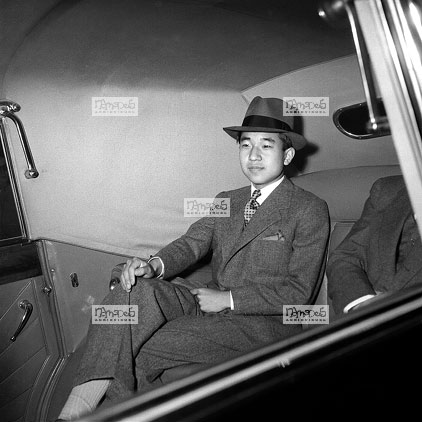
244, 145
266, 146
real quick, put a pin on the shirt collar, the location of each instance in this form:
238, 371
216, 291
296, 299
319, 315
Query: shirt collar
266, 191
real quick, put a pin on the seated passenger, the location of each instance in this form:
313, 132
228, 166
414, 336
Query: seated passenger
268, 252
382, 253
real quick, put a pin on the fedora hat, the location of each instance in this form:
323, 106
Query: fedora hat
266, 115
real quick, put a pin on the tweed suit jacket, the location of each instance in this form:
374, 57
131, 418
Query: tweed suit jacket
365, 262
277, 259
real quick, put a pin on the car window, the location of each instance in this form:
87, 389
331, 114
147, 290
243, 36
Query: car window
10, 228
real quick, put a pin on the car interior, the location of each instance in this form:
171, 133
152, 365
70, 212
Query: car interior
85, 186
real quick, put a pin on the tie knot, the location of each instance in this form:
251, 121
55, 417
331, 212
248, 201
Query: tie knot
256, 193
251, 206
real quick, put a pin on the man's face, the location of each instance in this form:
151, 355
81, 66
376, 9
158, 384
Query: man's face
262, 157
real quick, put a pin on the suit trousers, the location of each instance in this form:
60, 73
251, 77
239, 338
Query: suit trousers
171, 331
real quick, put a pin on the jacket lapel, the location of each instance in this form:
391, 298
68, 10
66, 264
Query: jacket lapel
411, 266
389, 234
272, 210
233, 226
390, 230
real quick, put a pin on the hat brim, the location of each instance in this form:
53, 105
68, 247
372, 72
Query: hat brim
298, 141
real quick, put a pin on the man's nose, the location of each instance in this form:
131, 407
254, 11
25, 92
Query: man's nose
255, 154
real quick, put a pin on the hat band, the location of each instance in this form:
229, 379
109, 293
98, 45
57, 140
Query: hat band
254, 120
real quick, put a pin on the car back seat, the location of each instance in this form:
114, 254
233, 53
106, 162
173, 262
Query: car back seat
344, 190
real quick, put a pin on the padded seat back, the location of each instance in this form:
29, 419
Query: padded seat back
345, 190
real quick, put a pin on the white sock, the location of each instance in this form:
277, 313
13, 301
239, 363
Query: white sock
84, 398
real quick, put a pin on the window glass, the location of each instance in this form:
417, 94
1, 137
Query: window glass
9, 220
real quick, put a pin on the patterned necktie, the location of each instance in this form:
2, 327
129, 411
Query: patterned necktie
251, 206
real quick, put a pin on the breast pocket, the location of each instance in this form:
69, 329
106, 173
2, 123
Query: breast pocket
271, 256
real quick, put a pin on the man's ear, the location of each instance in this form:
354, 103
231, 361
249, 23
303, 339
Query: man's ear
288, 155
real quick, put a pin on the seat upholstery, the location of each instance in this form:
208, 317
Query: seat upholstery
344, 190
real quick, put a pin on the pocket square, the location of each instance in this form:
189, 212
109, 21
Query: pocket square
278, 237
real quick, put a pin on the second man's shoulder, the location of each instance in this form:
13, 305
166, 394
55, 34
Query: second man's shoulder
389, 185
386, 190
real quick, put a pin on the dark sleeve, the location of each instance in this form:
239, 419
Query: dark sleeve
347, 265
190, 247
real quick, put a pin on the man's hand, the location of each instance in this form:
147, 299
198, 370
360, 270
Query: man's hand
135, 267
211, 300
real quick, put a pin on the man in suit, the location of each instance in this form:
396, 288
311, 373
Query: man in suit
267, 253
381, 254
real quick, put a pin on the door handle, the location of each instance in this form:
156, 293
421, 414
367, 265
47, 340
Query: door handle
27, 307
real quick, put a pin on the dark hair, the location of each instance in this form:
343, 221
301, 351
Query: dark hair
286, 141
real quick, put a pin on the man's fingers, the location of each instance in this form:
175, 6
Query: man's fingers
124, 280
194, 291
125, 284
132, 269
134, 263
124, 277
140, 270
135, 269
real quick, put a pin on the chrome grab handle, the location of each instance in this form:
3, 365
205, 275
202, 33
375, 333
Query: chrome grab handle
8, 109
27, 306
